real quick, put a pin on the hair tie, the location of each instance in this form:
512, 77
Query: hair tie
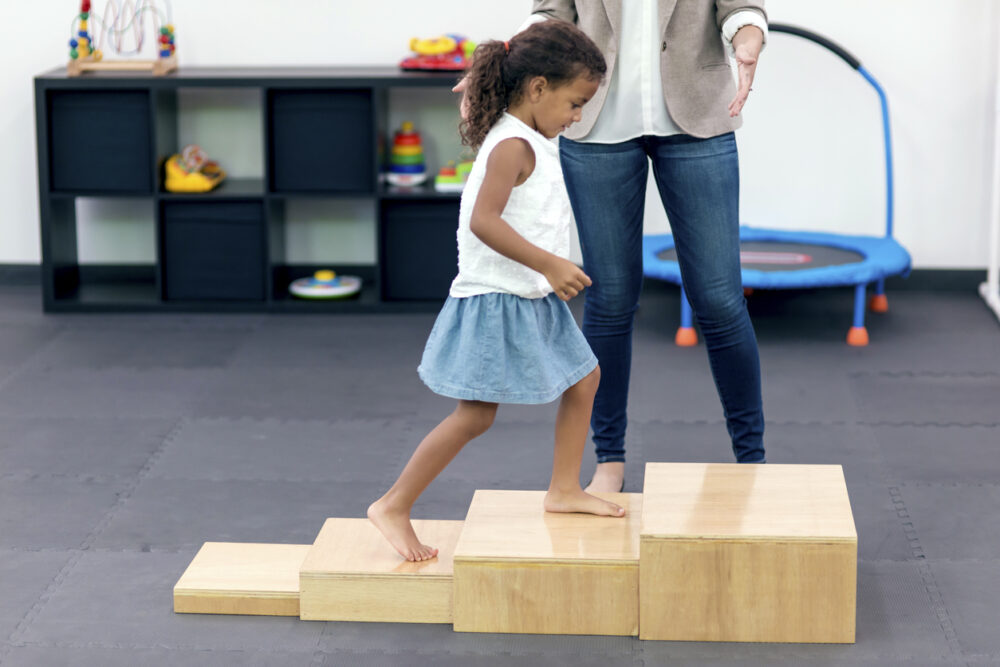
506, 47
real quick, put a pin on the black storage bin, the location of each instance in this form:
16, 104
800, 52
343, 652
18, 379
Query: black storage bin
321, 141
99, 141
213, 250
419, 253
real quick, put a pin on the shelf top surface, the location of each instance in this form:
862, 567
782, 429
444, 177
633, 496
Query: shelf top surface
367, 75
513, 525
746, 502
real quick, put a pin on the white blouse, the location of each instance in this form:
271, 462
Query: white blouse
538, 210
634, 105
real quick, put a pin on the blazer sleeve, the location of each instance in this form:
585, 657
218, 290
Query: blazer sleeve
555, 9
726, 8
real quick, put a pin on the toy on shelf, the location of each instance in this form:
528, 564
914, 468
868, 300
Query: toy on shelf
121, 18
452, 178
192, 171
449, 53
406, 161
325, 284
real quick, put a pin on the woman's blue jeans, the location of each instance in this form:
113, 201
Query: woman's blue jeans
698, 180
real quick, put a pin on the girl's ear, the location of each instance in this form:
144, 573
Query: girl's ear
536, 86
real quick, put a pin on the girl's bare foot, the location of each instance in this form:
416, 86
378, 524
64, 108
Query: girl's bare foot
580, 501
396, 527
608, 478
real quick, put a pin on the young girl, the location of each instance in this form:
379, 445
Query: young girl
505, 334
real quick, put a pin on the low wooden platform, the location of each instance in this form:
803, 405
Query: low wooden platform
752, 553
236, 578
352, 573
521, 569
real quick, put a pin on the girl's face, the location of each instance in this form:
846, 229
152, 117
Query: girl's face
555, 109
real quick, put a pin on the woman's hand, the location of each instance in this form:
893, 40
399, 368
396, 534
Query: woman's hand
463, 106
566, 278
747, 43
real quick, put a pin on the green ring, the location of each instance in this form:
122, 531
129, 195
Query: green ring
407, 159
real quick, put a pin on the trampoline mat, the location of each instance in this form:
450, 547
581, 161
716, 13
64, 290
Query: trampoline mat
781, 256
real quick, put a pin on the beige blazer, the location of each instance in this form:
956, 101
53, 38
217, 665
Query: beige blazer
698, 83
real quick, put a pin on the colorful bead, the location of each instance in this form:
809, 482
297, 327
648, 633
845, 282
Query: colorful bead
73, 54
165, 53
73, 43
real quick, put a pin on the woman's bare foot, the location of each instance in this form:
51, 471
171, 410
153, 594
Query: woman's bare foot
608, 478
580, 501
396, 527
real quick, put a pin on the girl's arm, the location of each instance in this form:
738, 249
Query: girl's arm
509, 165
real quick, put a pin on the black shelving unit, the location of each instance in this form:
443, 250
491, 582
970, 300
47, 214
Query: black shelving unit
106, 135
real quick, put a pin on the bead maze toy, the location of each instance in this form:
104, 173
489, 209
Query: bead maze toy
121, 18
448, 53
406, 161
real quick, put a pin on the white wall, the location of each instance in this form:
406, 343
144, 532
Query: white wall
810, 147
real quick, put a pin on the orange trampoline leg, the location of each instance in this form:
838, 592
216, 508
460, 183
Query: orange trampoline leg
686, 337
857, 337
878, 303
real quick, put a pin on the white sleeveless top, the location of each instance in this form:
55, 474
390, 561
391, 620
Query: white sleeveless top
538, 210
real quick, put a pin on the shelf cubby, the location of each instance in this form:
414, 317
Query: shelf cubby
321, 141
213, 250
99, 141
418, 243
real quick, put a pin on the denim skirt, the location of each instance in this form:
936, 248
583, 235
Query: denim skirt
503, 348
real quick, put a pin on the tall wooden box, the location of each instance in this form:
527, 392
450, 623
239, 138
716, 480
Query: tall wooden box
521, 569
751, 553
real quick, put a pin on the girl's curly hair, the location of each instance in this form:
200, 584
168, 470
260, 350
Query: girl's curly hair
556, 50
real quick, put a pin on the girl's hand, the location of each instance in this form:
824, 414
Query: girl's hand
747, 43
463, 106
566, 278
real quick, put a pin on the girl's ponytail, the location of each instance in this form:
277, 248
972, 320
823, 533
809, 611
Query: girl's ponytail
487, 93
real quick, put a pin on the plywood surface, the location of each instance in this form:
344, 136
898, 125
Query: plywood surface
242, 578
514, 525
552, 598
748, 591
739, 501
355, 547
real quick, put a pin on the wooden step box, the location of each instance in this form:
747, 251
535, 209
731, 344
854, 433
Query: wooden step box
520, 569
749, 553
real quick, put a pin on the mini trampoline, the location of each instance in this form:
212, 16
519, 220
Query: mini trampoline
781, 259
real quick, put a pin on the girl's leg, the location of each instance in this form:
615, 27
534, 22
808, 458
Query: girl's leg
391, 512
607, 189
565, 494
